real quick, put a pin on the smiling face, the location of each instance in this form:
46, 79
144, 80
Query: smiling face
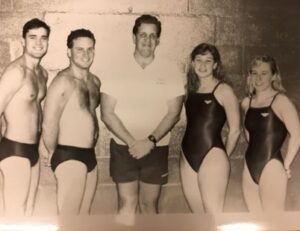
146, 40
204, 65
36, 42
261, 76
82, 53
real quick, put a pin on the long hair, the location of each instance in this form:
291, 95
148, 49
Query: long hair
193, 82
276, 81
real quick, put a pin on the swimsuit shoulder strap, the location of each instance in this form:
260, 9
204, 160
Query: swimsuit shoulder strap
213, 92
278, 93
250, 100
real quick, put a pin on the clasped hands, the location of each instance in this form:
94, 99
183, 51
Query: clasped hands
140, 148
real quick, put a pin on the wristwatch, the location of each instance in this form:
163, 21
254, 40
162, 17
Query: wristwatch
152, 139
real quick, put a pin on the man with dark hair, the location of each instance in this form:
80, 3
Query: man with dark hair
22, 88
79, 33
140, 117
70, 127
33, 24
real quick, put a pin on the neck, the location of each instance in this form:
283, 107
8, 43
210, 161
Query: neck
31, 62
78, 72
143, 61
265, 93
207, 80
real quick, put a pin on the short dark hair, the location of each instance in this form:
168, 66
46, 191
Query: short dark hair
33, 24
79, 33
149, 19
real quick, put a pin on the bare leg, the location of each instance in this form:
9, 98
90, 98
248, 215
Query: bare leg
213, 180
128, 197
16, 174
251, 192
273, 186
189, 182
71, 179
35, 177
90, 189
149, 195
127, 202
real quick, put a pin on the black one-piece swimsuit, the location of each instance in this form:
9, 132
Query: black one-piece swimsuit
205, 120
266, 136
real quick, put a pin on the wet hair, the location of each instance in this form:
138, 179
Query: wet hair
33, 24
78, 34
276, 82
149, 19
193, 82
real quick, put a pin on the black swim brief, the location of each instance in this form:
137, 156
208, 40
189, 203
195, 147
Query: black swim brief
13, 148
64, 153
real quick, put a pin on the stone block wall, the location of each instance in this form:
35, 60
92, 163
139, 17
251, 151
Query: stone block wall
240, 29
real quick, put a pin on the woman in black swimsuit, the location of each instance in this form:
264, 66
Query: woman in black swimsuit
269, 117
210, 102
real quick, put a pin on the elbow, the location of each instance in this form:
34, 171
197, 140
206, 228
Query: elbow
235, 131
176, 119
105, 118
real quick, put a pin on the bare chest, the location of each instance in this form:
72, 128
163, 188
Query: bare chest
88, 95
34, 88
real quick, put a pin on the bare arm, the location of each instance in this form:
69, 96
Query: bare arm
112, 121
94, 106
232, 110
170, 119
244, 106
288, 113
58, 95
143, 147
10, 82
45, 76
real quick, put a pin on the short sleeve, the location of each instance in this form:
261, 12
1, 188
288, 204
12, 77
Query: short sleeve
176, 82
110, 84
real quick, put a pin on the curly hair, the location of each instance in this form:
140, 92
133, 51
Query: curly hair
193, 82
77, 34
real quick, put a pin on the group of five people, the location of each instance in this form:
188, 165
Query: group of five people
141, 101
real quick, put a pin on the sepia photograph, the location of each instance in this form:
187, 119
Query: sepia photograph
149, 115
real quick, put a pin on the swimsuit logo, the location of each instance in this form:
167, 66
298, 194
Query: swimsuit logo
165, 174
207, 101
264, 114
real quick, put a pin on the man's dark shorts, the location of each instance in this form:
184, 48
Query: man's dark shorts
151, 169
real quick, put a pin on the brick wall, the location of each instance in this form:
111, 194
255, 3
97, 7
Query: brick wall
240, 29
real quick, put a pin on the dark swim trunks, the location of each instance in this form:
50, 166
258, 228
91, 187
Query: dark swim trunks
205, 120
64, 153
151, 169
13, 148
266, 136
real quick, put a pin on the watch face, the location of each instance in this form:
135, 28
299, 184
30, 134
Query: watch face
152, 138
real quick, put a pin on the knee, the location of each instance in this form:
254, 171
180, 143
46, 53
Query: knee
128, 201
148, 204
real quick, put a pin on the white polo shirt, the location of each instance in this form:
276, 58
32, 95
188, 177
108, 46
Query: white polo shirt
142, 94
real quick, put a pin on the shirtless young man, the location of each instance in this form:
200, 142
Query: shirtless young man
22, 88
70, 127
